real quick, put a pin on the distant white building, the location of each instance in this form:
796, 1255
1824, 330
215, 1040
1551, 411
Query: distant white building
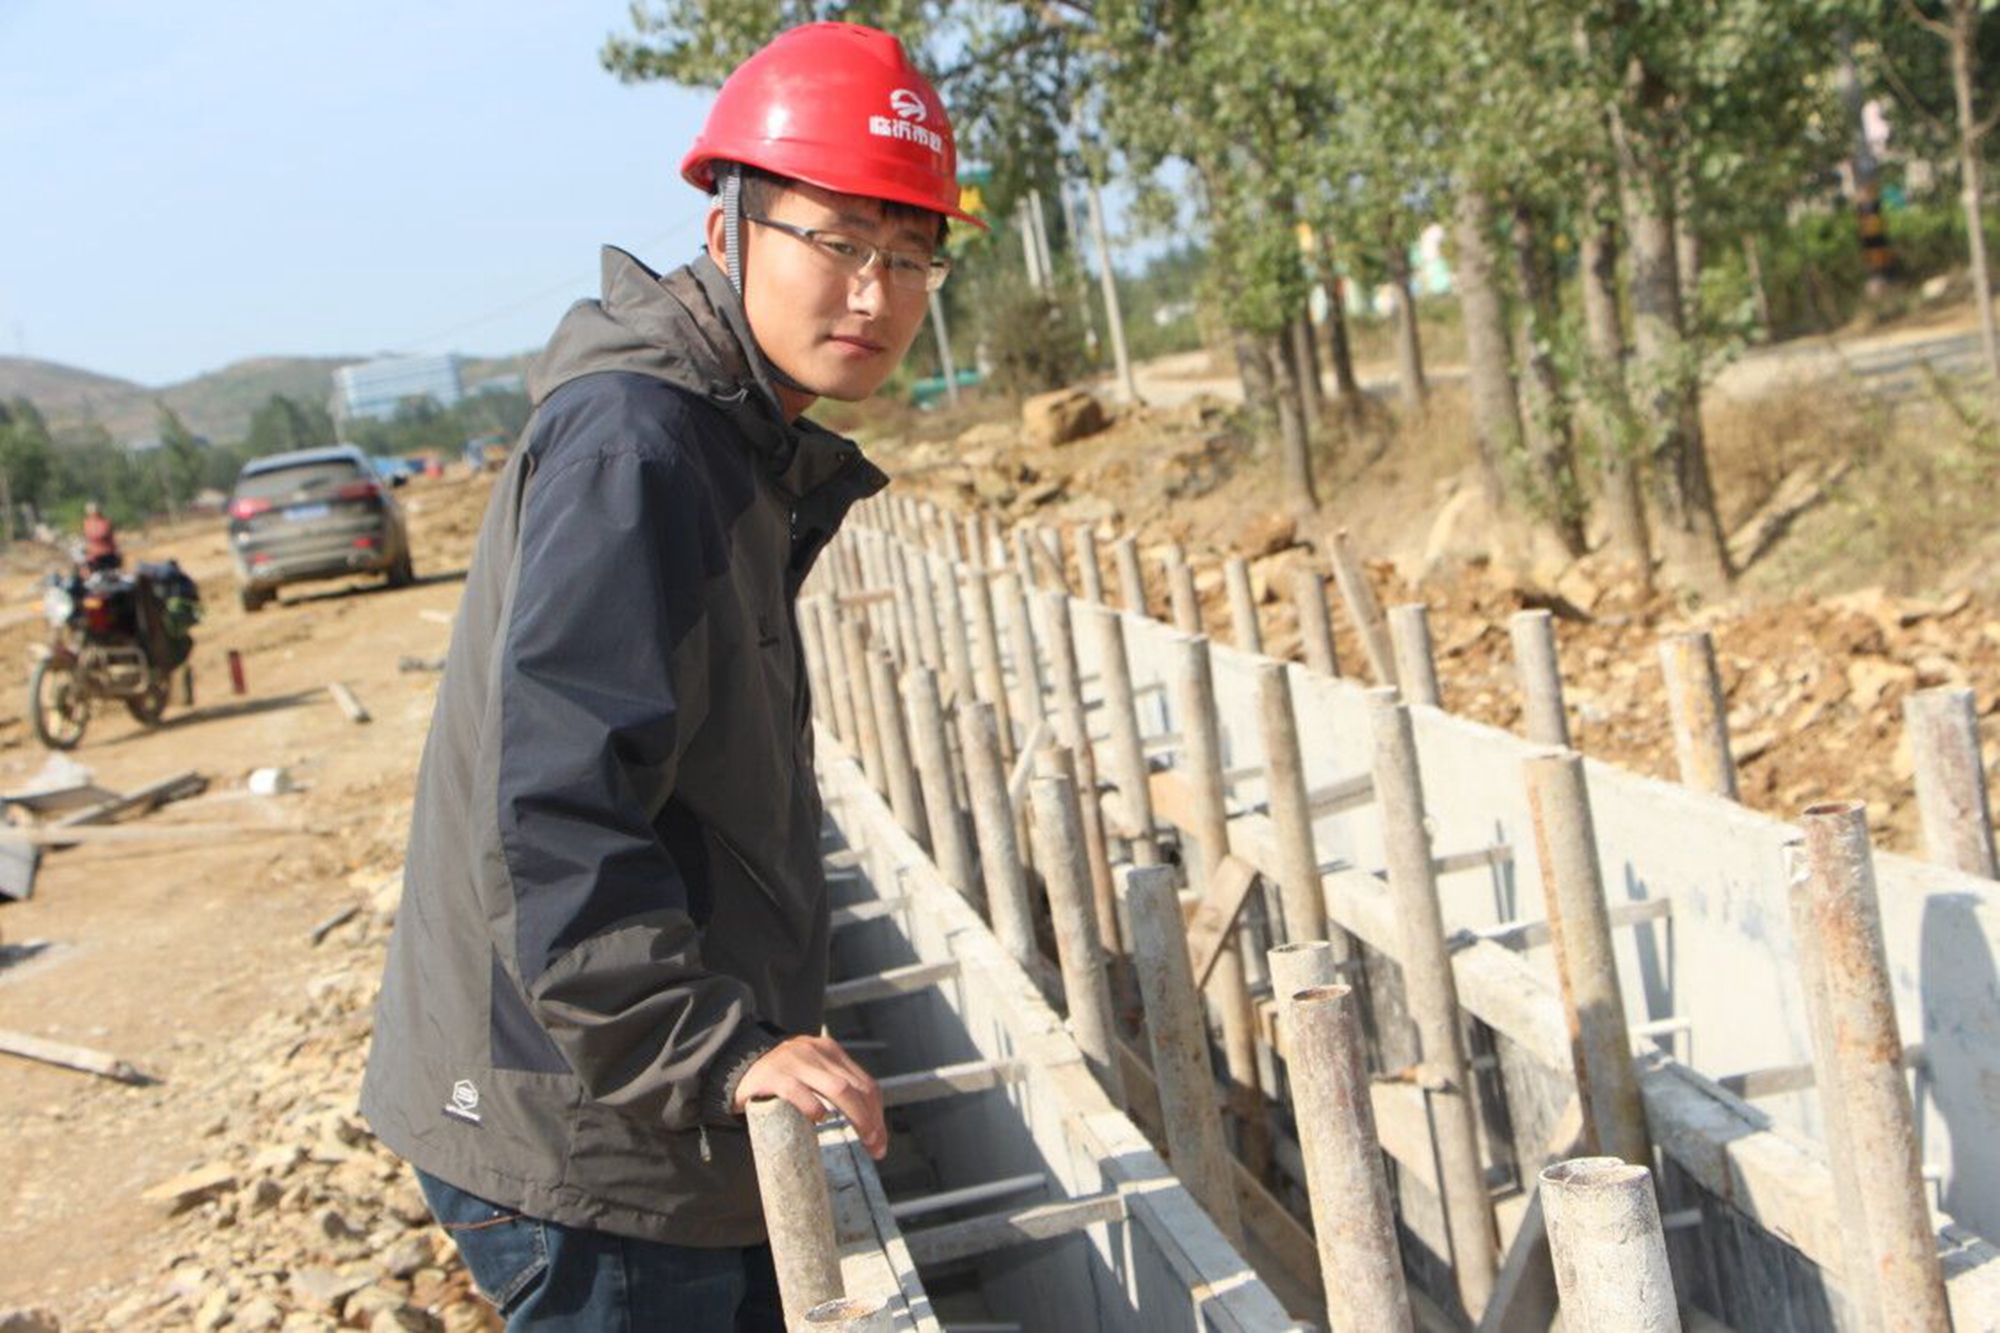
375, 389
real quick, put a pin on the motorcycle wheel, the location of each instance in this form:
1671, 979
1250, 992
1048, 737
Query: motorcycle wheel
57, 705
146, 709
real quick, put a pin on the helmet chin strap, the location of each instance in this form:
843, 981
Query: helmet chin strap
729, 188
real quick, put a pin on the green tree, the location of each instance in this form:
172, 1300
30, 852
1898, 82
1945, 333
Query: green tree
180, 458
284, 424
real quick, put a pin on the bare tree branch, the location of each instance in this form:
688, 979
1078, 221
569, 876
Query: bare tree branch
1924, 20
1944, 128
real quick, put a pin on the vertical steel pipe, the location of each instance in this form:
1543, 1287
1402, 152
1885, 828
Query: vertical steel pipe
1131, 582
1416, 665
1544, 717
1614, 1117
1943, 730
1858, 1012
1700, 718
905, 795
1125, 755
1609, 1252
950, 846
849, 1315
1179, 1042
1027, 705
1007, 902
1058, 825
1433, 997
1354, 1225
1090, 585
1301, 896
1073, 730
1363, 609
1181, 589
988, 672
798, 1211
1201, 762
923, 600
867, 736
1315, 625
906, 613
952, 626
1243, 626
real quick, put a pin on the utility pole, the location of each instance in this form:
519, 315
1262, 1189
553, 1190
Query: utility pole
1041, 234
1113, 316
1082, 269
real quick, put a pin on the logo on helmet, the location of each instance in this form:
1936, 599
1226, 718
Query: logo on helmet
908, 123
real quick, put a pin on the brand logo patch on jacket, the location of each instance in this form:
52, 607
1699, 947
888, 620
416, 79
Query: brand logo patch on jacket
464, 1103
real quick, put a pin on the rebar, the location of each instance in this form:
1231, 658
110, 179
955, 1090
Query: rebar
1540, 671
1614, 1117
1007, 902
1609, 1252
1857, 1009
1243, 627
798, 1211
1433, 996
1700, 718
1943, 729
1315, 625
1416, 667
1179, 1042
1060, 853
1354, 1224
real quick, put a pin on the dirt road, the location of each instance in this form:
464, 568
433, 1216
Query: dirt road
168, 954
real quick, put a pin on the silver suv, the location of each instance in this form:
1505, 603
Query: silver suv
314, 514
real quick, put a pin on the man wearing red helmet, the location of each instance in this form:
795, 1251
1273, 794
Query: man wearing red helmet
614, 926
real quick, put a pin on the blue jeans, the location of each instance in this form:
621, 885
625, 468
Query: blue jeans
549, 1278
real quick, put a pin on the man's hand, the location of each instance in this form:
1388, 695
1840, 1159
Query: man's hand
813, 1074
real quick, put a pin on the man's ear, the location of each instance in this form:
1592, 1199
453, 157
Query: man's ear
715, 230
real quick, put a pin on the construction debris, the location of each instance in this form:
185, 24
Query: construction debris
349, 703
80, 1058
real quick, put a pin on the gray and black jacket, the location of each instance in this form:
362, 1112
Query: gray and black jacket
613, 900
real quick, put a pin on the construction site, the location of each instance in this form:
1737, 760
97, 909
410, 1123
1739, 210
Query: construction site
1202, 980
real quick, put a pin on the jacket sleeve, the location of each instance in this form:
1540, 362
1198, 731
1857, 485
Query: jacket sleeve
603, 682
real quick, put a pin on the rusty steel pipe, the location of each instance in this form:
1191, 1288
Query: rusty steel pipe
1181, 591
1699, 715
1416, 665
1007, 903
867, 741
1614, 1117
950, 846
1315, 624
1125, 755
798, 1211
1090, 574
1072, 728
1433, 997
1608, 1249
848, 1315
1131, 581
1856, 1009
1243, 627
905, 795
1362, 607
989, 675
1543, 715
1354, 1224
1943, 729
1301, 896
1059, 834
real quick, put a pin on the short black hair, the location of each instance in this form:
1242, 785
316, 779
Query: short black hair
760, 186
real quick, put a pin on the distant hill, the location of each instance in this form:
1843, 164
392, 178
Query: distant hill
217, 404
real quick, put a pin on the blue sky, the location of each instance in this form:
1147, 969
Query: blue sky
190, 184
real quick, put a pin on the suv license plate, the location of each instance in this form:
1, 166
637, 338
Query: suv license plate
306, 513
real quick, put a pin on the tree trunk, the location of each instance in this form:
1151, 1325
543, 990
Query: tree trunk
1305, 359
1687, 256
1666, 390
1409, 347
1964, 24
1260, 391
1294, 430
1545, 416
1760, 295
1604, 410
1345, 386
1496, 413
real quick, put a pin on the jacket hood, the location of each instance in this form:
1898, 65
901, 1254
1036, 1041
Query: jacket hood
687, 328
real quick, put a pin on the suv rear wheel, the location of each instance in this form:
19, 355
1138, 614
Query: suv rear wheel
255, 598
403, 573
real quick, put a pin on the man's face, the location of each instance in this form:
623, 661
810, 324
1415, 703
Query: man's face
839, 334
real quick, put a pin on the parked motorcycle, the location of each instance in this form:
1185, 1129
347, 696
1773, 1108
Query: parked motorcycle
112, 636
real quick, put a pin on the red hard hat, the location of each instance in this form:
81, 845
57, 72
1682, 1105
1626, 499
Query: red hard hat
840, 106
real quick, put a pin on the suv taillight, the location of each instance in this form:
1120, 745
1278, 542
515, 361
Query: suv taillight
248, 508
358, 490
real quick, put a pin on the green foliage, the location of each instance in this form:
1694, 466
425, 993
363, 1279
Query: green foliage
421, 426
1033, 343
283, 425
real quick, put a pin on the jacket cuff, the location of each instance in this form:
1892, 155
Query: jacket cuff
744, 1048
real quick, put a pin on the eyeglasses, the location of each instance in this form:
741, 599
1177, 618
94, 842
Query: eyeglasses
852, 256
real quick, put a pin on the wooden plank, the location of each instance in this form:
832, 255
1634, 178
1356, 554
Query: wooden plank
1215, 916
141, 833
349, 702
80, 1058
928, 1085
178, 787
1524, 1291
